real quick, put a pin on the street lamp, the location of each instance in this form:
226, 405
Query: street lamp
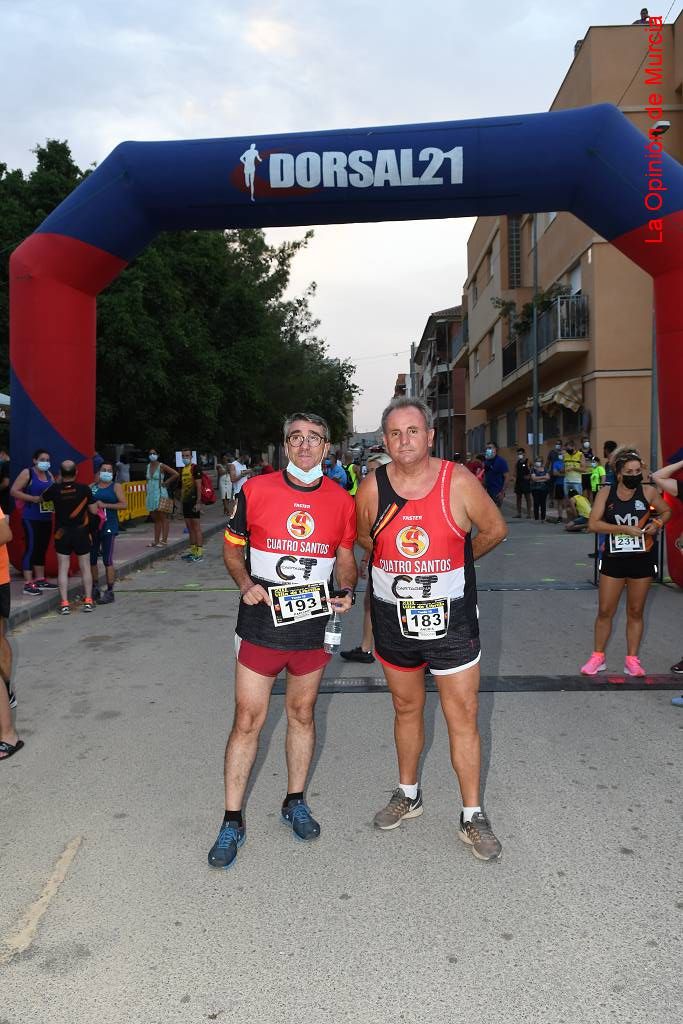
534, 340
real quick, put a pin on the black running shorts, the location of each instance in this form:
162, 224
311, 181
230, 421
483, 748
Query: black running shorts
4, 600
629, 567
73, 540
458, 650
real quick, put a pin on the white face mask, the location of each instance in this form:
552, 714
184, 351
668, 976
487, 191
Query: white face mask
305, 476
586, 445
153, 456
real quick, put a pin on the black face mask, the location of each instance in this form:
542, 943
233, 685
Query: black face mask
632, 481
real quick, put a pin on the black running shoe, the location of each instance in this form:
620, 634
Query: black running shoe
223, 853
298, 815
358, 654
677, 669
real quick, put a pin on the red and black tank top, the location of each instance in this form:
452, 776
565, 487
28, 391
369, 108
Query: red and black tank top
419, 551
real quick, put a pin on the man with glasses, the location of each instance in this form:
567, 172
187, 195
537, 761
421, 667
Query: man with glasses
288, 533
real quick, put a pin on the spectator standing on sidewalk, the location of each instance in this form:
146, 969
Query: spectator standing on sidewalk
335, 471
608, 450
476, 467
555, 466
159, 478
597, 477
224, 482
587, 454
123, 470
573, 469
73, 504
540, 481
110, 499
36, 518
664, 479
239, 474
496, 472
5, 482
9, 741
522, 483
191, 496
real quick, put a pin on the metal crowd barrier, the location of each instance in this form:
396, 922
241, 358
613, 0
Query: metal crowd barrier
136, 496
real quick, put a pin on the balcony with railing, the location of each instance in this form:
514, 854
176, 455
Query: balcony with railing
565, 321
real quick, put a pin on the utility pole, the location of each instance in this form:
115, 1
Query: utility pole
534, 339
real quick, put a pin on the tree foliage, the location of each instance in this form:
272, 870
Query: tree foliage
196, 343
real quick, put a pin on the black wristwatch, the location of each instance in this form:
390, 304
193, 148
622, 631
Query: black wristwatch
346, 592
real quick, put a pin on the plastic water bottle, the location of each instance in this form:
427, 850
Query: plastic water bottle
333, 634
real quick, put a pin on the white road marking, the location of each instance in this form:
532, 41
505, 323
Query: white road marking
28, 926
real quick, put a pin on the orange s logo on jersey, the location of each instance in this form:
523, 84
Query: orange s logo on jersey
300, 525
412, 541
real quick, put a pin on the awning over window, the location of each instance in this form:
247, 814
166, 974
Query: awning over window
569, 394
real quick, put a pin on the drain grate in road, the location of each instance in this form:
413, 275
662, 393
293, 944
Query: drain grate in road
508, 684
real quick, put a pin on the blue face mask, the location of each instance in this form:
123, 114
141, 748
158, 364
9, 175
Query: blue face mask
304, 476
106, 478
43, 466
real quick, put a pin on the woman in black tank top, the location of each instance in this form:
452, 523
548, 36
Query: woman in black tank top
628, 515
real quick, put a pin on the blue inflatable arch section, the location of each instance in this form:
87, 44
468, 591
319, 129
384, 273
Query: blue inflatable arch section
591, 162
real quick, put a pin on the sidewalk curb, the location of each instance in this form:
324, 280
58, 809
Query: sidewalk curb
50, 601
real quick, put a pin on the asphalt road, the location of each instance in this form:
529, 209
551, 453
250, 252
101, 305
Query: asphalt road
111, 808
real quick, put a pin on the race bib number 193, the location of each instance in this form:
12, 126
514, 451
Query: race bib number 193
298, 602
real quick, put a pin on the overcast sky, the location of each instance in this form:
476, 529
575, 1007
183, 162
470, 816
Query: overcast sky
97, 73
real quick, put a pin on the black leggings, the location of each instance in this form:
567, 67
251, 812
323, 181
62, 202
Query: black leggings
540, 499
37, 533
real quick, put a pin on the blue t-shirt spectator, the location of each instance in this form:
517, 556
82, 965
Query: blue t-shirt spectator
495, 470
337, 473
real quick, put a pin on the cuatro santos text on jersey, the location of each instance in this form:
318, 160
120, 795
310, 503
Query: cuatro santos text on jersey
291, 534
419, 551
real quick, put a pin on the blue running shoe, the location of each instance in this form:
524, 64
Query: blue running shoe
298, 815
676, 701
223, 853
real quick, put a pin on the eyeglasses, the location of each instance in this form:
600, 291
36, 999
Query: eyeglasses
313, 440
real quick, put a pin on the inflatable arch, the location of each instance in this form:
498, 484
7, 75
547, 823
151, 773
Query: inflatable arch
591, 162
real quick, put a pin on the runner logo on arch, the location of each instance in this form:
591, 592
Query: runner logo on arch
412, 541
300, 525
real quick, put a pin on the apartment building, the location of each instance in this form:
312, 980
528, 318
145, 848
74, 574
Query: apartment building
435, 379
595, 321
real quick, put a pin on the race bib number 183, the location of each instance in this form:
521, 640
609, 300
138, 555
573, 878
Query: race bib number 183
423, 620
